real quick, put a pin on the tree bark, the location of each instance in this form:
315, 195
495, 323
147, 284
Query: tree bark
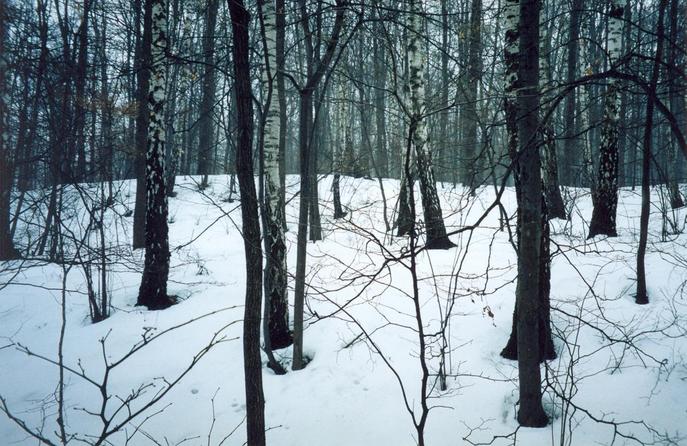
606, 192
469, 118
434, 223
276, 298
531, 412
255, 400
570, 156
511, 56
153, 290
143, 59
207, 103
7, 249
677, 102
315, 74
642, 297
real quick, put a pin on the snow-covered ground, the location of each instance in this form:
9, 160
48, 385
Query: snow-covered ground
617, 362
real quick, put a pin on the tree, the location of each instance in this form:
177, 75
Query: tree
206, 124
416, 108
606, 193
153, 290
469, 116
143, 62
570, 142
255, 400
642, 297
276, 297
676, 100
7, 249
315, 74
552, 191
511, 60
531, 412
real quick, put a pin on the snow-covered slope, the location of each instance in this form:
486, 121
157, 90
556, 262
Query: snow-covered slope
620, 362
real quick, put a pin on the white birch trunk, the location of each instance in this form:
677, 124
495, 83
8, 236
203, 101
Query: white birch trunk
434, 223
606, 192
276, 297
153, 290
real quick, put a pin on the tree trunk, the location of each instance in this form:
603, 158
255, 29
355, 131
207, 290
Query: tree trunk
469, 113
382, 161
276, 298
143, 59
255, 400
552, 190
531, 412
281, 96
570, 156
7, 249
434, 223
207, 103
153, 290
677, 103
315, 74
511, 54
79, 103
606, 192
642, 297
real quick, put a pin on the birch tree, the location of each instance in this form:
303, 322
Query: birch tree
417, 109
276, 298
153, 290
511, 53
606, 192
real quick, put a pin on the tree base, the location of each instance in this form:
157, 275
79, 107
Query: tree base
677, 202
595, 230
641, 299
9, 253
532, 418
440, 243
339, 214
280, 341
160, 303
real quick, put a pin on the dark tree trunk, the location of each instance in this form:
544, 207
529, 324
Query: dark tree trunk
315, 74
7, 249
676, 99
255, 400
301, 242
469, 116
79, 103
382, 161
153, 290
143, 59
642, 297
531, 412
571, 146
206, 124
552, 190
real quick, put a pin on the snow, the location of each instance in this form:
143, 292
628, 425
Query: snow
348, 395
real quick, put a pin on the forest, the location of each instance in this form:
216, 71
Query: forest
343, 222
